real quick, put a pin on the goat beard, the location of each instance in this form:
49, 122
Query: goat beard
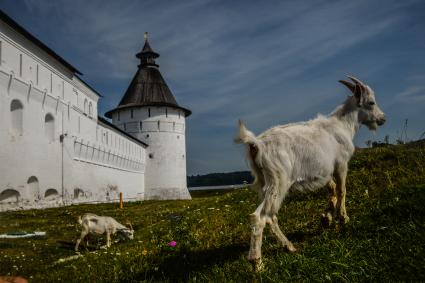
372, 125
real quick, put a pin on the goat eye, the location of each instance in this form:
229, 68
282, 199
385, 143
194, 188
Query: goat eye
371, 103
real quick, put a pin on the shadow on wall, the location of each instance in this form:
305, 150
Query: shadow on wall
10, 196
78, 193
51, 194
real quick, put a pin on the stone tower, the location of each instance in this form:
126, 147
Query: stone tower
149, 112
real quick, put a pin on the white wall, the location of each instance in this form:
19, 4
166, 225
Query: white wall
93, 159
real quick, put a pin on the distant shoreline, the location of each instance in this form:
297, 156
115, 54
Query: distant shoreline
224, 187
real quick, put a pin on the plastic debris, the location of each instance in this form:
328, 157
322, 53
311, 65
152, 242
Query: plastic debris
16, 235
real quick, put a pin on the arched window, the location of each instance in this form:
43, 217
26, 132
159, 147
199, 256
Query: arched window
90, 110
76, 98
51, 193
49, 127
9, 195
33, 186
85, 106
17, 116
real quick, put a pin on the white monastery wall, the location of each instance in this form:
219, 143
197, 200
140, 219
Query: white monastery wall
53, 148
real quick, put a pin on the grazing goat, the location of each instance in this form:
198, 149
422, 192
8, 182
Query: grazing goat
306, 156
94, 224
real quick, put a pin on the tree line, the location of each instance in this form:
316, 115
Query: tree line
219, 179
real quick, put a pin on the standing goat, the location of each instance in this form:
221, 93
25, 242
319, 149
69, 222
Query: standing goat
305, 156
94, 224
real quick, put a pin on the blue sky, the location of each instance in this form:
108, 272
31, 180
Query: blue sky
267, 62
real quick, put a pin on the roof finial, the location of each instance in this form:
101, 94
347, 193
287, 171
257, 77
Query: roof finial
146, 36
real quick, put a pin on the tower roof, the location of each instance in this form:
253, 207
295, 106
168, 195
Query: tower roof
148, 87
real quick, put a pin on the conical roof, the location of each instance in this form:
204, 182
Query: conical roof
148, 87
147, 49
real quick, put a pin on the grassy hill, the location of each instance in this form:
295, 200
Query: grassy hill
384, 240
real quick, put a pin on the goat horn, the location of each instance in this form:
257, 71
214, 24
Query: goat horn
350, 85
357, 81
360, 84
129, 224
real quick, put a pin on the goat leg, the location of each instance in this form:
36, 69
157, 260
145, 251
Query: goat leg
329, 214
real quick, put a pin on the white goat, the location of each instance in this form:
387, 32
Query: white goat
94, 224
305, 156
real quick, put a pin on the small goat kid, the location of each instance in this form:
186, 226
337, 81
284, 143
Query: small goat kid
305, 156
94, 224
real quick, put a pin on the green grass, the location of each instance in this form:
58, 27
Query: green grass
384, 240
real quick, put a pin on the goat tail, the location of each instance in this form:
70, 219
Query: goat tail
254, 150
245, 136
80, 220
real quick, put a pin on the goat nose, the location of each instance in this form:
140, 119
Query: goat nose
381, 121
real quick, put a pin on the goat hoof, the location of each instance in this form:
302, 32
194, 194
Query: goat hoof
344, 219
290, 248
326, 220
257, 264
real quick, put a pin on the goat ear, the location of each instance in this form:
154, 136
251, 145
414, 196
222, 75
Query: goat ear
129, 225
349, 85
358, 94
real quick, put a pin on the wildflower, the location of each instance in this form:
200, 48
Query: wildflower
145, 252
172, 244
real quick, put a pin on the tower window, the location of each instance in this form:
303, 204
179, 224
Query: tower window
166, 112
151, 155
17, 113
90, 109
76, 98
149, 112
118, 116
49, 127
132, 114
36, 74
20, 65
33, 185
85, 106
